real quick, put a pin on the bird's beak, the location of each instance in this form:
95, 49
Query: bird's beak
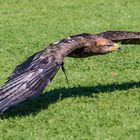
115, 47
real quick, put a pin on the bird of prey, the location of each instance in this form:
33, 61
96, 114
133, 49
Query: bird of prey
29, 79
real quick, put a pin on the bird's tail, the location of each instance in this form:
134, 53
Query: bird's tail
25, 86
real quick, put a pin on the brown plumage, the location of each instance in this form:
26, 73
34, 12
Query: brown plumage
31, 77
125, 37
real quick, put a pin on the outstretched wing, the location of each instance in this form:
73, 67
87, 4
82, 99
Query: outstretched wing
22, 68
28, 80
125, 37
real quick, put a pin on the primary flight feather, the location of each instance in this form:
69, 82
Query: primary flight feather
29, 79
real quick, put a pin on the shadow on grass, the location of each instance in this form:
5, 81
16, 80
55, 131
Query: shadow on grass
43, 101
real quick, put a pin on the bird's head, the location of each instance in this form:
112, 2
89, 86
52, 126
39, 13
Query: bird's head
103, 46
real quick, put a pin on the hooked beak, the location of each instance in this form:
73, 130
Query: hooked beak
115, 47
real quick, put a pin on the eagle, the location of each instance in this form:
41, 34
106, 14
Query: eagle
29, 79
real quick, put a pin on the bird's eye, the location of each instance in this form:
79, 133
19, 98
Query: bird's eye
109, 45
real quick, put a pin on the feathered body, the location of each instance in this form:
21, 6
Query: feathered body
30, 78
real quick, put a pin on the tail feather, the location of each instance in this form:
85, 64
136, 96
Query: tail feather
27, 85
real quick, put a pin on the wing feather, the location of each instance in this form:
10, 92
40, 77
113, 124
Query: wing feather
31, 77
125, 37
27, 81
25, 65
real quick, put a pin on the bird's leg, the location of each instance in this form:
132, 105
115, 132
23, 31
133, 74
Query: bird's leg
63, 69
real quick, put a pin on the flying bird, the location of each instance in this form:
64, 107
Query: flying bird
29, 79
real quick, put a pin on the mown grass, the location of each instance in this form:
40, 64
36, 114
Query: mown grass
102, 101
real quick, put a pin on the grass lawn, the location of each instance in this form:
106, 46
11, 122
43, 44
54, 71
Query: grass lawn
102, 101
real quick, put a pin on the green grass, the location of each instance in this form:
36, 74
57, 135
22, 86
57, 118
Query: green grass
102, 101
